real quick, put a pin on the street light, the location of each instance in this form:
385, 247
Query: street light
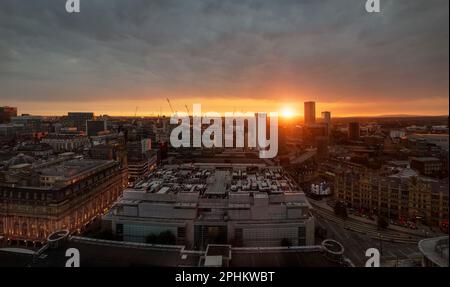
381, 242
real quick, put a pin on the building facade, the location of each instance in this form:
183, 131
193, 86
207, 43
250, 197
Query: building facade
66, 142
29, 123
38, 199
396, 196
354, 131
429, 166
6, 113
141, 159
94, 127
310, 113
79, 119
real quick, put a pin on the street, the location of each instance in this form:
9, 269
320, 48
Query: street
356, 244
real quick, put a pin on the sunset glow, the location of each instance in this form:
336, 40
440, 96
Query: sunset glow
240, 65
287, 113
231, 135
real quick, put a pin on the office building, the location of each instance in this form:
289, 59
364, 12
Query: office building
241, 205
429, 166
10, 130
353, 131
79, 120
94, 127
310, 113
6, 113
109, 147
326, 120
141, 159
38, 198
29, 123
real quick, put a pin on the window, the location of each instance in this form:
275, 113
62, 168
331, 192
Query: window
119, 228
181, 232
301, 231
239, 235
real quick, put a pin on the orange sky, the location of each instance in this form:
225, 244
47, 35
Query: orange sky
123, 107
261, 56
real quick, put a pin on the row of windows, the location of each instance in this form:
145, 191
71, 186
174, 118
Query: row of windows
52, 194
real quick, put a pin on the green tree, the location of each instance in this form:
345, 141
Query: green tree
340, 209
382, 222
166, 237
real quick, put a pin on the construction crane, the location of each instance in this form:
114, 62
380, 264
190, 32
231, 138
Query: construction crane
187, 109
170, 105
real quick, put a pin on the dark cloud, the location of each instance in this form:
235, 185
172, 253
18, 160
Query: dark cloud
331, 47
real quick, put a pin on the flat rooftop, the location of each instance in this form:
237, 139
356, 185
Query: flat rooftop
72, 168
216, 182
103, 253
425, 159
281, 258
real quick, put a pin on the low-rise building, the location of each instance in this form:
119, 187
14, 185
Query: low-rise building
66, 142
429, 166
423, 141
30, 123
35, 149
401, 194
242, 206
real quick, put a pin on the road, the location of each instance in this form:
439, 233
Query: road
356, 244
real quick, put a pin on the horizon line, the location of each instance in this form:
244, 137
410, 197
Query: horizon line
152, 115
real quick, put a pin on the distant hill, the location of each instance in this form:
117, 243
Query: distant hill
409, 116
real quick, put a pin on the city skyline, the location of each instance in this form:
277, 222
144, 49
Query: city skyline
268, 58
235, 134
285, 111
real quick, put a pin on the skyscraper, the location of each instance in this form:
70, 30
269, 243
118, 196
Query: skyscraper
326, 119
310, 113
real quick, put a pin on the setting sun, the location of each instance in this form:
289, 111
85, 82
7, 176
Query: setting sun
287, 113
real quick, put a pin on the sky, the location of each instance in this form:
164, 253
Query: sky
121, 57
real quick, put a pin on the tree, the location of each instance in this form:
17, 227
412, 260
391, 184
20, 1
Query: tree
166, 237
340, 209
382, 222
